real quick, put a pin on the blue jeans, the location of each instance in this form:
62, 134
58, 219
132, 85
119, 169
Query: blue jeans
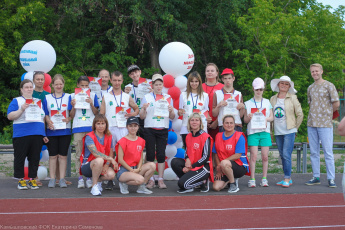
325, 135
285, 145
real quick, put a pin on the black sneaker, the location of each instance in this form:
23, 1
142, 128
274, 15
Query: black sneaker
185, 190
205, 186
313, 181
331, 184
109, 185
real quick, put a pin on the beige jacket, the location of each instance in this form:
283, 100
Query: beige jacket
293, 110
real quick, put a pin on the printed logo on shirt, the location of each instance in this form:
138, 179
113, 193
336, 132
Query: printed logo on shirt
201, 104
111, 103
196, 146
188, 102
64, 105
52, 106
139, 148
279, 112
228, 147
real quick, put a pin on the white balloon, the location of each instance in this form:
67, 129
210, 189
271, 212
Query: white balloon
176, 58
169, 161
181, 82
178, 145
165, 90
170, 151
179, 138
184, 89
42, 172
37, 55
169, 174
26, 162
45, 155
29, 75
176, 125
176, 115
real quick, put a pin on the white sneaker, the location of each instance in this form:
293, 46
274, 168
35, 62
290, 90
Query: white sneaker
264, 183
88, 183
142, 189
95, 190
81, 183
123, 188
100, 186
251, 184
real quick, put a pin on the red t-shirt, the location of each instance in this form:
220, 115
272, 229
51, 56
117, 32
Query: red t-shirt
210, 91
132, 150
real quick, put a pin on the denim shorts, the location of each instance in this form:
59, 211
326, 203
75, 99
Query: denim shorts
122, 170
86, 169
262, 139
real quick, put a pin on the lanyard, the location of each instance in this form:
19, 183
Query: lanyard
154, 96
116, 100
255, 103
57, 104
107, 92
196, 103
135, 96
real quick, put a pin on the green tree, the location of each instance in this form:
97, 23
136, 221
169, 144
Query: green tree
282, 38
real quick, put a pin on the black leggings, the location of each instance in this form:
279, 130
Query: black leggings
30, 147
156, 142
190, 179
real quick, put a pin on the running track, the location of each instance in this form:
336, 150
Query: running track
292, 211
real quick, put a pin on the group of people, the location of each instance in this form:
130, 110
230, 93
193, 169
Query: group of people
106, 124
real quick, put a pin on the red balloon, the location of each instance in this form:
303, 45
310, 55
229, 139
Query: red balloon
26, 173
47, 80
177, 104
168, 81
48, 89
174, 92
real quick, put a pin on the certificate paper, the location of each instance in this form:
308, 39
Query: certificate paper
231, 107
161, 108
57, 117
120, 116
95, 84
80, 96
143, 89
259, 118
33, 112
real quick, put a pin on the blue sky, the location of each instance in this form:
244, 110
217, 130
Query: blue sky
333, 3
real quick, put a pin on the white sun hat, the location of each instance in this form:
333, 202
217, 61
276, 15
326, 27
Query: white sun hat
275, 82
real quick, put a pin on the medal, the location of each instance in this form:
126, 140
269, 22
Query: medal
84, 118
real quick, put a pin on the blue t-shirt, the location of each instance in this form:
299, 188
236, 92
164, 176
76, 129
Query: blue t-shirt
240, 148
25, 129
89, 141
85, 128
59, 132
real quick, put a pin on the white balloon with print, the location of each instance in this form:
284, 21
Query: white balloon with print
176, 58
37, 55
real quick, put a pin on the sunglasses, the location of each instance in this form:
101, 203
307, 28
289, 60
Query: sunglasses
259, 89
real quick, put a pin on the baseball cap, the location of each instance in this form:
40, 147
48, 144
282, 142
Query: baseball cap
258, 83
132, 68
157, 76
227, 71
132, 120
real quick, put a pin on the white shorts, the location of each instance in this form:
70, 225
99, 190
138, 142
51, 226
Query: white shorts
117, 133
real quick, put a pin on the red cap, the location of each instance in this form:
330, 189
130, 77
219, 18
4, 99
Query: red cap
227, 71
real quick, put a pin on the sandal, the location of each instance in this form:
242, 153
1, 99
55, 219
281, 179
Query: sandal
150, 184
161, 184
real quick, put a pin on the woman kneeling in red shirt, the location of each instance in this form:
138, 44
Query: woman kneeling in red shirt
129, 151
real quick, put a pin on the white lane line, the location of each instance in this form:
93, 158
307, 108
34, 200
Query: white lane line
302, 227
172, 210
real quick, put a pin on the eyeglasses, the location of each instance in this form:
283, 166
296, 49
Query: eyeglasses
259, 89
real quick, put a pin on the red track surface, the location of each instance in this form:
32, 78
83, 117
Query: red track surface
189, 212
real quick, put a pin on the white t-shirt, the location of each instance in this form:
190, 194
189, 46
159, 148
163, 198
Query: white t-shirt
264, 103
280, 127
